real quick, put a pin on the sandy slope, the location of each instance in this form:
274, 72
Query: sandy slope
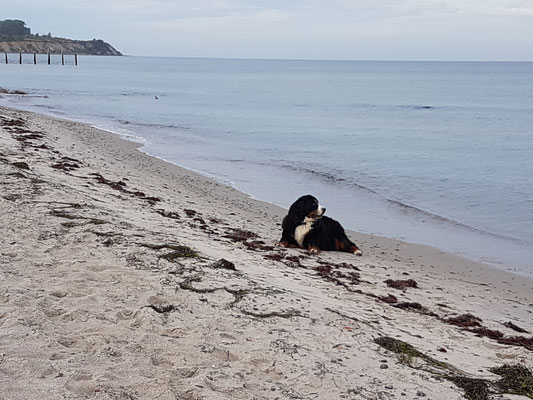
89, 308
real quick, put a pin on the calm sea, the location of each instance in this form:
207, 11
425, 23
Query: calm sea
439, 153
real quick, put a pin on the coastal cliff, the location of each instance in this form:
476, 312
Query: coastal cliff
59, 45
16, 37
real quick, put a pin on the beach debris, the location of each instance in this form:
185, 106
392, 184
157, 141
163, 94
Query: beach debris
61, 213
274, 256
401, 284
472, 324
179, 252
168, 214
189, 212
199, 220
514, 327
240, 235
121, 186
520, 341
223, 264
475, 388
389, 299
258, 245
294, 259
21, 165
338, 265
187, 285
405, 352
414, 306
66, 164
329, 273
12, 122
162, 308
269, 314
464, 320
516, 379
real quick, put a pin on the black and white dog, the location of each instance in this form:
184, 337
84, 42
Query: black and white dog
305, 226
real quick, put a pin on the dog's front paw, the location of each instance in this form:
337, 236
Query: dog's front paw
313, 250
355, 250
282, 244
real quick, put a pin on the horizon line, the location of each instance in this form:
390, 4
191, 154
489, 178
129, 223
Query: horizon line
322, 59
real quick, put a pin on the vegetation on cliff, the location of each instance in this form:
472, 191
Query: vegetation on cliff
15, 36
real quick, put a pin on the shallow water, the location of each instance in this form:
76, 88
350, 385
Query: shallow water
430, 152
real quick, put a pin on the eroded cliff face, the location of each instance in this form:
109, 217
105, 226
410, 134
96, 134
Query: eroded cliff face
41, 46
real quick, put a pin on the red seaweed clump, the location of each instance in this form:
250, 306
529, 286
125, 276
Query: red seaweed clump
401, 284
464, 320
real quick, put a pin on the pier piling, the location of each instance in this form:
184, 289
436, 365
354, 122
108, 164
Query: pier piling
28, 61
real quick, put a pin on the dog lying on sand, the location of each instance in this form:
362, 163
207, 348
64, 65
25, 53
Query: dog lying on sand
306, 226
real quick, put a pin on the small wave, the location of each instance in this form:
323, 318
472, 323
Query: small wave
330, 177
422, 107
395, 106
136, 94
157, 126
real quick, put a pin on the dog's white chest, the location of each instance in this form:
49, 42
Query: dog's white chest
302, 230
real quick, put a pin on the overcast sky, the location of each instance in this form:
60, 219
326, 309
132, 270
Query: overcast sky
302, 29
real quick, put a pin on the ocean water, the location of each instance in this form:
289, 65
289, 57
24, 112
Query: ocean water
437, 153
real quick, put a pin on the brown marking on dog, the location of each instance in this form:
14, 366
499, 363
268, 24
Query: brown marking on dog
339, 246
313, 250
355, 250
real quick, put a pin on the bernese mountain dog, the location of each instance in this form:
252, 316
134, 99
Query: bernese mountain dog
306, 226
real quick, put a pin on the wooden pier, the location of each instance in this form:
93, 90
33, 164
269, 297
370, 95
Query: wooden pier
49, 58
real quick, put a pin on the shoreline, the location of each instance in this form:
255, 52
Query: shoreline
93, 293
140, 142
376, 217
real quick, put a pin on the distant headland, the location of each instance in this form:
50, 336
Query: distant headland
16, 37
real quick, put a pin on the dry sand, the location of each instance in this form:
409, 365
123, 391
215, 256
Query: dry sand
91, 308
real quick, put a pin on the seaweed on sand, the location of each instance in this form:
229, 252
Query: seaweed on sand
516, 379
240, 235
180, 252
475, 389
514, 327
401, 284
464, 320
406, 353
389, 299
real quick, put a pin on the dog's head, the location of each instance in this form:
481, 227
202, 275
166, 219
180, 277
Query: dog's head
306, 207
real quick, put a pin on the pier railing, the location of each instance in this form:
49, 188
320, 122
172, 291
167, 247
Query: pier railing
22, 56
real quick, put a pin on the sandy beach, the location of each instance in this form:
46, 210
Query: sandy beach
126, 277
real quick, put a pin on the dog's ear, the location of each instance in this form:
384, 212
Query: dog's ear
296, 213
